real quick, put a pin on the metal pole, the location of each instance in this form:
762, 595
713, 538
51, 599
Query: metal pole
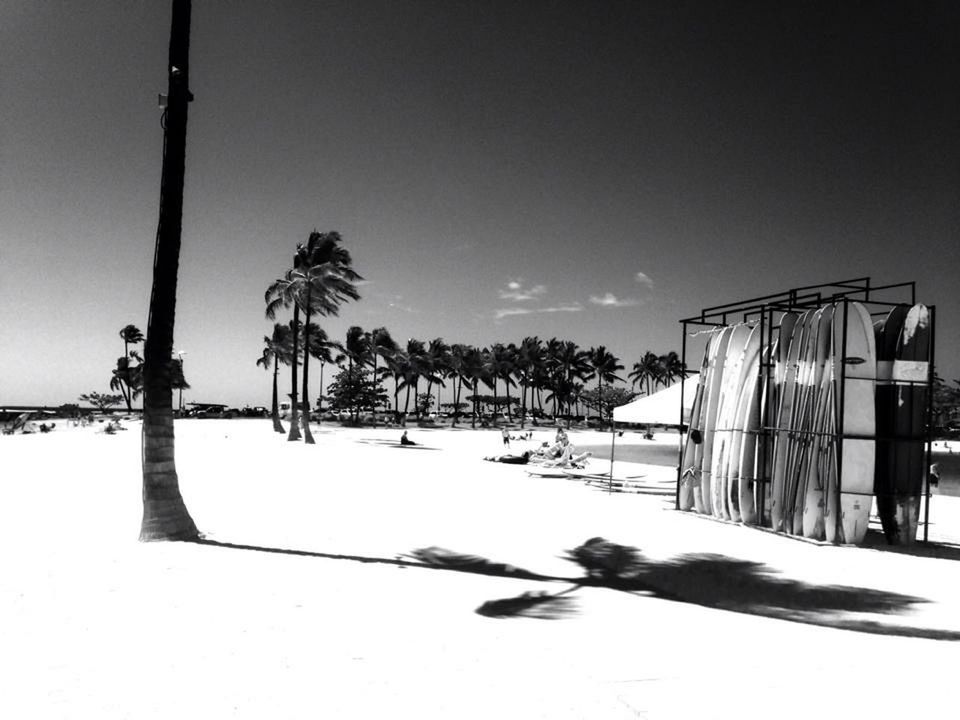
613, 442
683, 360
931, 376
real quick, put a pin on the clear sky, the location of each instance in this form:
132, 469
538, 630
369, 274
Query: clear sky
594, 171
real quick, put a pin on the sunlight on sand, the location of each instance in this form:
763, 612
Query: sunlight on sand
358, 579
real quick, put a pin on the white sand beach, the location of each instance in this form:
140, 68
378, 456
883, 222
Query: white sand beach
310, 600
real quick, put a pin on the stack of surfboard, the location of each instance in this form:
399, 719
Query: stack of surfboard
823, 401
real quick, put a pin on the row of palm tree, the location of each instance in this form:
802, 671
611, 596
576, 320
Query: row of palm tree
555, 370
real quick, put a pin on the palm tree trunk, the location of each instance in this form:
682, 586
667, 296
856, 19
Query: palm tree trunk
320, 399
165, 516
275, 408
307, 435
294, 405
374, 388
476, 407
396, 399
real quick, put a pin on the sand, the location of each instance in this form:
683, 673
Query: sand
312, 604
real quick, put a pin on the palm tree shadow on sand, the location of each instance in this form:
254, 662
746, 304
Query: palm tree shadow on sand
709, 580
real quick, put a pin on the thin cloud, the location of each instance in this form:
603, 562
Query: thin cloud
611, 300
518, 293
506, 312
643, 279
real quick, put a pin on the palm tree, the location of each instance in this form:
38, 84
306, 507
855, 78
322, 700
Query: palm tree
474, 368
356, 349
502, 360
165, 515
605, 366
327, 280
277, 349
438, 353
457, 372
397, 366
647, 371
380, 344
321, 280
568, 363
122, 378
417, 365
283, 293
671, 368
529, 357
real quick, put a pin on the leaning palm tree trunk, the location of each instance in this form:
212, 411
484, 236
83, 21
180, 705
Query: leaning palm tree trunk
165, 516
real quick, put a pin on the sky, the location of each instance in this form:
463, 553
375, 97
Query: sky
593, 171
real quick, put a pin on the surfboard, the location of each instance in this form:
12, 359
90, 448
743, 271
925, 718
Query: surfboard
547, 472
810, 495
712, 399
723, 426
887, 336
911, 377
746, 378
690, 462
854, 369
783, 441
750, 448
796, 437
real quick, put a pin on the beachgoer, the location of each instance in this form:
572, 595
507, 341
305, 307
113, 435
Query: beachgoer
404, 440
511, 459
934, 478
506, 437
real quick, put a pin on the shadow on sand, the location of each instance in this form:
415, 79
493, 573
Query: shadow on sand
709, 580
396, 444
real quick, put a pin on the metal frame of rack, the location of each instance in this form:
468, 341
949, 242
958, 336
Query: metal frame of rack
767, 311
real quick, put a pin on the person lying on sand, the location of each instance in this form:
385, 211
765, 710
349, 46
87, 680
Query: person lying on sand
511, 459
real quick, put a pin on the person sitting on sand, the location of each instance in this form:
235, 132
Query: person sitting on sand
511, 459
404, 440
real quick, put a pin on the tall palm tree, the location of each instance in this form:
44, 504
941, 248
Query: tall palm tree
438, 353
356, 349
418, 366
474, 368
277, 349
671, 368
380, 344
165, 515
569, 363
321, 280
528, 357
605, 366
327, 280
457, 372
646, 372
282, 293
397, 364
122, 377
502, 365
